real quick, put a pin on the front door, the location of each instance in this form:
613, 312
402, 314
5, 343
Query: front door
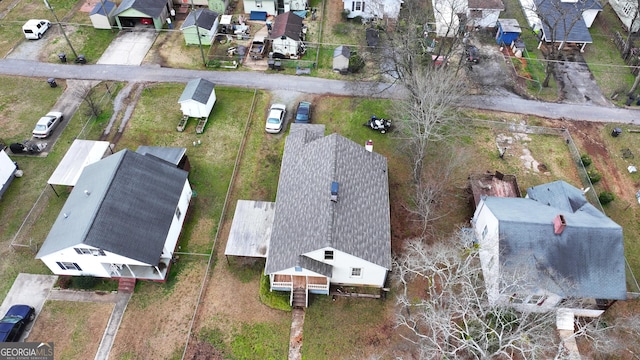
299, 282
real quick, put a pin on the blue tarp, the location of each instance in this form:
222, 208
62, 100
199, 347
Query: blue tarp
258, 15
301, 13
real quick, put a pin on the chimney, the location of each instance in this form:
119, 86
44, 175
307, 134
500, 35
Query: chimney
334, 191
369, 145
559, 223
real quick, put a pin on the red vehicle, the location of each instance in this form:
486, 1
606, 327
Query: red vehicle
146, 21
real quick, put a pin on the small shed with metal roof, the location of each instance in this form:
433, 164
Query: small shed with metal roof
198, 98
102, 15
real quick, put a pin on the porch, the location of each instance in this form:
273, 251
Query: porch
153, 273
314, 284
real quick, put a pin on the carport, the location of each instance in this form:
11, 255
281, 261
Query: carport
81, 154
251, 229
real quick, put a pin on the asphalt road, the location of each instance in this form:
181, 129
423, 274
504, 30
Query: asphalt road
311, 85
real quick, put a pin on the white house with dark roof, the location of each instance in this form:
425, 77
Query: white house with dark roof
381, 9
122, 219
287, 35
549, 246
331, 223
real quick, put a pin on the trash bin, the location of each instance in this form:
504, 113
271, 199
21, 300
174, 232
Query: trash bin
62, 57
616, 131
271, 63
52, 82
278, 65
81, 59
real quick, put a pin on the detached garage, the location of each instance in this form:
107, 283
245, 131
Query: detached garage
131, 13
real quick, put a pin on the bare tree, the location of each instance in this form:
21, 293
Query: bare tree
612, 335
453, 318
86, 91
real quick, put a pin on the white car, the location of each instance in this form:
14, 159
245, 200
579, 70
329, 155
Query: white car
275, 119
34, 29
46, 124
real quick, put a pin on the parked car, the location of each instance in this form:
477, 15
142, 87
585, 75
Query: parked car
146, 21
34, 29
15, 321
275, 119
46, 124
303, 114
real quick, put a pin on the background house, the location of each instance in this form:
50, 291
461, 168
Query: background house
448, 24
287, 35
122, 219
550, 246
207, 22
102, 15
565, 21
626, 11
7, 171
131, 12
267, 6
331, 223
198, 98
341, 56
484, 13
381, 9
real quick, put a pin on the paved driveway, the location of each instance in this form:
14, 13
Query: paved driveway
129, 47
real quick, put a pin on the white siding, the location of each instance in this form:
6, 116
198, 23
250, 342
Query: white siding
486, 227
343, 263
91, 265
445, 11
626, 10
176, 224
256, 5
489, 18
195, 109
589, 16
287, 47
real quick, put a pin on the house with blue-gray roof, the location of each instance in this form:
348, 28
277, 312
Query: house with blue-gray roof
549, 246
331, 223
562, 22
122, 219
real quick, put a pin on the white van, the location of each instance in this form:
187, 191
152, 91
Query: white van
34, 29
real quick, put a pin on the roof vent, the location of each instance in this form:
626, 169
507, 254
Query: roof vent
65, 215
559, 223
87, 192
334, 191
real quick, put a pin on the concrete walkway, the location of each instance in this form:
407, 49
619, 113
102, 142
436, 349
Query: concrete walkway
295, 337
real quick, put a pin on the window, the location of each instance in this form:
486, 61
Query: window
628, 9
178, 212
328, 254
94, 252
356, 272
357, 6
259, 3
484, 232
69, 266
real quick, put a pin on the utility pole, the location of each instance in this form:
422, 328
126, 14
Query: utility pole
195, 22
46, 3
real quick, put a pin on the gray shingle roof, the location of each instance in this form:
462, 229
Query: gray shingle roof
151, 8
198, 90
205, 19
306, 219
129, 208
586, 260
565, 18
99, 9
172, 155
287, 24
342, 50
485, 4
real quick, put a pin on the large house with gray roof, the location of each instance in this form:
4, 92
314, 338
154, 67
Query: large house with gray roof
122, 219
331, 223
551, 245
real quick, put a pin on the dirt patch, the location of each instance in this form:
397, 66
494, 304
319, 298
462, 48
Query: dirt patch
73, 340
